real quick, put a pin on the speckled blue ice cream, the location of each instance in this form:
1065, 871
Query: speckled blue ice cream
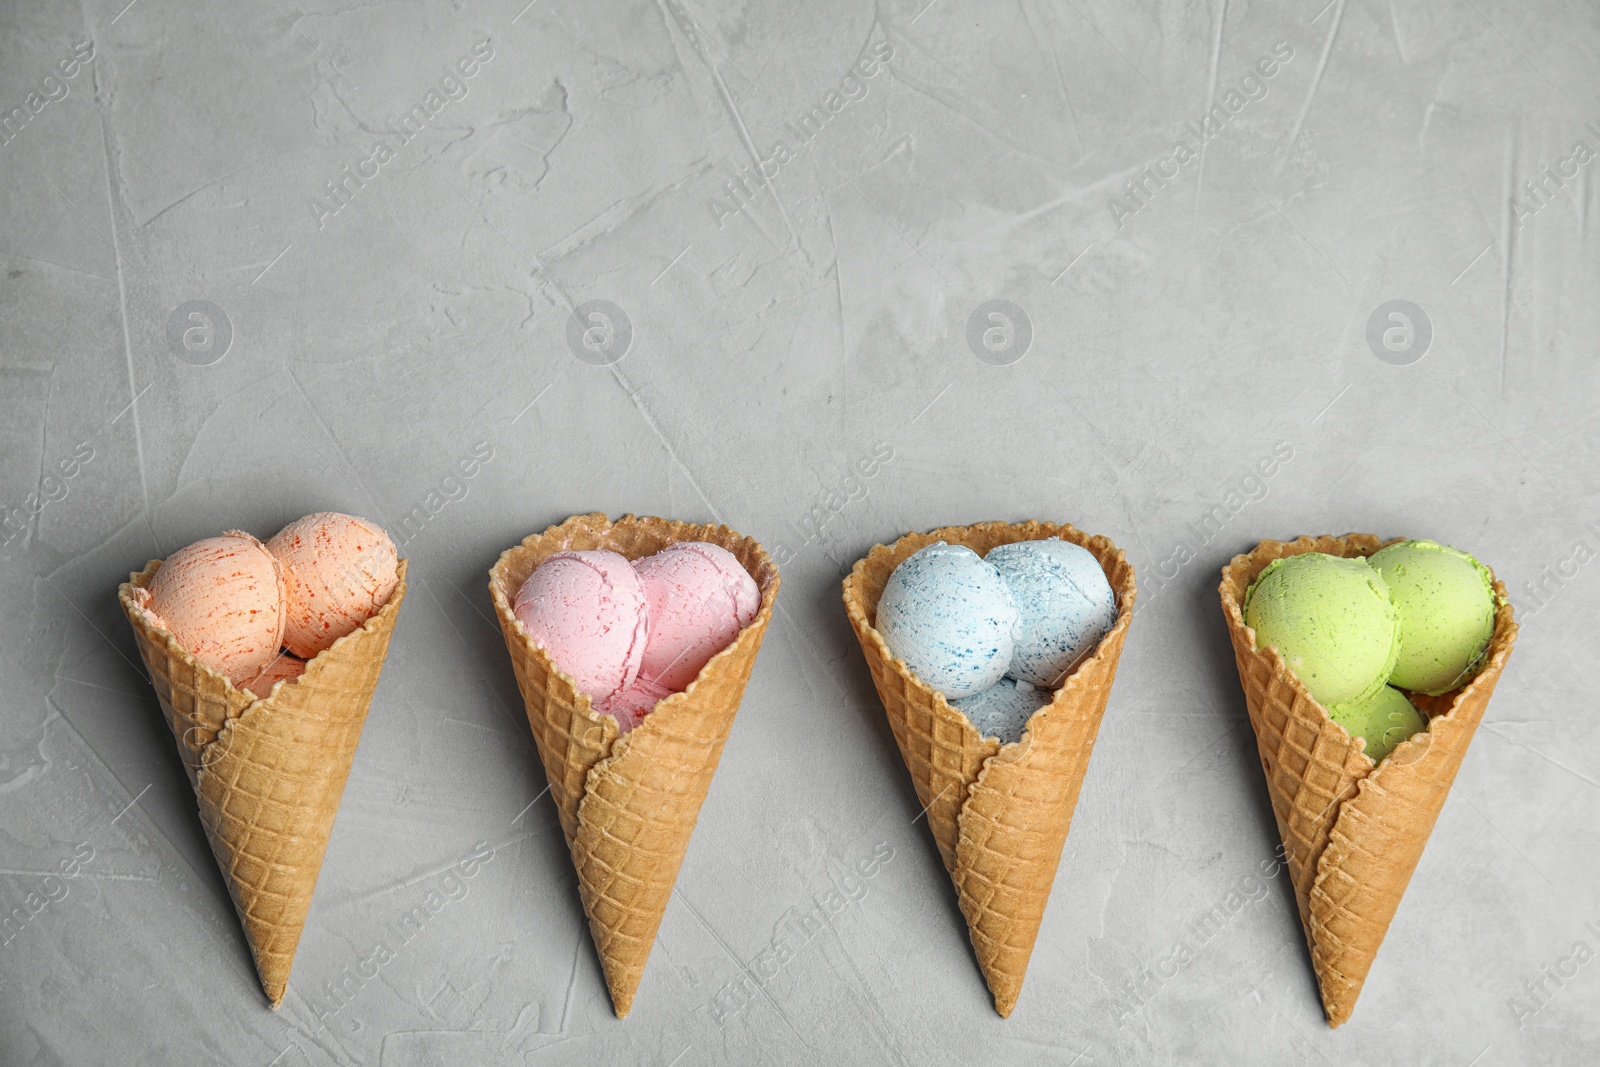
1064, 604
1003, 709
949, 616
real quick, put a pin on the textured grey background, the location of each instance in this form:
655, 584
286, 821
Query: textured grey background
776, 341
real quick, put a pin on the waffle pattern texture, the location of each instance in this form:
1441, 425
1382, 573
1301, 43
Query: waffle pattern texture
999, 813
1352, 830
267, 774
628, 802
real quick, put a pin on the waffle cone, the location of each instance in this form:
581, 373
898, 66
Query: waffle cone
1352, 831
628, 802
267, 774
999, 813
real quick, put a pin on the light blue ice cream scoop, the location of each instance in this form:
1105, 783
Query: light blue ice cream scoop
1064, 605
1003, 709
946, 612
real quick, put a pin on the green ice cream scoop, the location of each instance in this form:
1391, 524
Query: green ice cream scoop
1384, 720
1446, 602
1331, 620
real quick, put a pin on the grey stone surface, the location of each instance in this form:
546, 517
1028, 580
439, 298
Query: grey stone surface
777, 334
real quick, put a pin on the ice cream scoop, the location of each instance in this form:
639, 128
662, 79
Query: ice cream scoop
223, 599
1384, 720
1064, 605
588, 611
948, 614
338, 571
632, 704
283, 668
1003, 709
1446, 603
700, 597
1331, 620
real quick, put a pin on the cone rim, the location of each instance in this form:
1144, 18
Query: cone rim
1235, 584
140, 579
1125, 592
722, 535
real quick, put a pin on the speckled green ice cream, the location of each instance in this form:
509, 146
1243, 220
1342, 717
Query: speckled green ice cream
1332, 621
1384, 720
1446, 602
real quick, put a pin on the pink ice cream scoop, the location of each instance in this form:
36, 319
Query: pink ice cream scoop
285, 668
338, 570
632, 704
587, 609
222, 598
700, 597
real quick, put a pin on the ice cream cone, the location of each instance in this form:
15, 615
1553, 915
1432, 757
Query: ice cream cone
1352, 831
267, 774
628, 802
999, 813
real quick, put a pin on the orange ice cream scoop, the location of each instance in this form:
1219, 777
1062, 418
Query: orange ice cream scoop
338, 571
285, 668
223, 599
